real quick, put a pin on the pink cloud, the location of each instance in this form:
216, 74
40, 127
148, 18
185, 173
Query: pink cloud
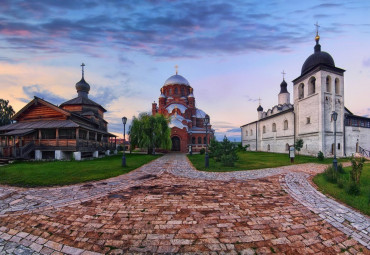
15, 32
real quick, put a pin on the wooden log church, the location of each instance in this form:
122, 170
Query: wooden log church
75, 129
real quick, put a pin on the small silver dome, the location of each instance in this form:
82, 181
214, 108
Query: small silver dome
176, 79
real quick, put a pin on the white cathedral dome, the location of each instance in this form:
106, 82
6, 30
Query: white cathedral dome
176, 79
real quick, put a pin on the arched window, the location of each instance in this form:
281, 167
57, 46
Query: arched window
182, 91
311, 86
301, 91
170, 92
268, 147
246, 132
199, 140
328, 84
338, 146
193, 140
285, 124
204, 140
287, 147
176, 91
251, 132
273, 127
337, 86
264, 129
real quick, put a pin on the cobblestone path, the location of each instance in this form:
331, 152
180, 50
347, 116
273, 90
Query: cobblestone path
167, 206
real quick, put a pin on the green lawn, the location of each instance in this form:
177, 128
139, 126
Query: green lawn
53, 173
255, 160
360, 202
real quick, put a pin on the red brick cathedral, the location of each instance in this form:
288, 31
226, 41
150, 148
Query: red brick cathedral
186, 121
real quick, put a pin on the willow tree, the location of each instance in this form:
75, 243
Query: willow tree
6, 112
150, 132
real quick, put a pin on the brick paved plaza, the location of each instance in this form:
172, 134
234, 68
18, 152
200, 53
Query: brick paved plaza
169, 207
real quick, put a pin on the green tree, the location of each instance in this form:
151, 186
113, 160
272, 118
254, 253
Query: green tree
224, 152
148, 131
6, 112
298, 145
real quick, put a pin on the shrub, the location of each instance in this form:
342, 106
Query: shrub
356, 171
215, 151
227, 160
341, 183
340, 168
242, 148
353, 189
202, 151
298, 145
330, 174
119, 148
320, 156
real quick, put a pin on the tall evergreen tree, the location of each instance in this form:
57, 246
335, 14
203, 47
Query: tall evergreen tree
150, 132
6, 112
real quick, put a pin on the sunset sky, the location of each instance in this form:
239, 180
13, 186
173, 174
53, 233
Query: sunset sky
231, 52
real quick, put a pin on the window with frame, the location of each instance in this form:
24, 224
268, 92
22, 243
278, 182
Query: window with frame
48, 134
246, 132
193, 140
285, 124
176, 91
273, 127
92, 136
264, 129
308, 120
204, 140
65, 133
199, 140
82, 134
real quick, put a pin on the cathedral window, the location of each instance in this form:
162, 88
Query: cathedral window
311, 86
193, 140
308, 120
264, 129
199, 140
337, 86
176, 91
301, 91
285, 124
287, 147
273, 127
328, 84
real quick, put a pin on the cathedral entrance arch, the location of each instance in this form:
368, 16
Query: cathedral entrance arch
175, 143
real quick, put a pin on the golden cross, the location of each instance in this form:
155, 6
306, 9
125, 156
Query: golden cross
283, 73
177, 67
317, 28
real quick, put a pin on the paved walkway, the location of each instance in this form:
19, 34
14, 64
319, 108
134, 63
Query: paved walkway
168, 206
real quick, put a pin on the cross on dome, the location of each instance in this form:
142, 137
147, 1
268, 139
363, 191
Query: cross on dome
177, 69
259, 101
82, 67
283, 73
317, 38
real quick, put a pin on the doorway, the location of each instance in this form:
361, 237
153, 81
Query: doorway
175, 143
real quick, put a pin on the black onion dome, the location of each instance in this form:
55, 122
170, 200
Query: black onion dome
260, 109
82, 86
283, 87
317, 58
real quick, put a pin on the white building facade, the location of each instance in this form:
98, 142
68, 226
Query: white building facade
317, 92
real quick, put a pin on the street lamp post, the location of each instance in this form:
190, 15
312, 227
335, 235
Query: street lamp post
191, 143
124, 121
334, 115
206, 122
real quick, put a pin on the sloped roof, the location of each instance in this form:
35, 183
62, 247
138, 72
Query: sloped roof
82, 101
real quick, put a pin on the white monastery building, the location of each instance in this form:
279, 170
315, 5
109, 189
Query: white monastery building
317, 92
